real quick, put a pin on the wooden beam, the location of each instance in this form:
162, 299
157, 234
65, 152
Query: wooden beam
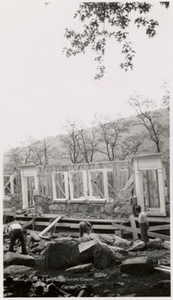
157, 219
76, 225
165, 270
126, 228
158, 235
137, 230
133, 226
50, 226
160, 227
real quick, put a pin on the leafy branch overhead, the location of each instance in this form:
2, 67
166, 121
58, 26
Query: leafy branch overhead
105, 20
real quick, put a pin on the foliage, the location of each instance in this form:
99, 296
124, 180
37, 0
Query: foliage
104, 20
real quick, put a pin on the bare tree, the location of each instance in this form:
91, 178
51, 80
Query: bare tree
150, 119
110, 136
15, 158
166, 96
131, 145
43, 151
87, 143
70, 142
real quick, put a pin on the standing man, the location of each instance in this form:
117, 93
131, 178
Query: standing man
16, 232
143, 223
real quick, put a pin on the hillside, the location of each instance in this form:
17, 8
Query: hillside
145, 148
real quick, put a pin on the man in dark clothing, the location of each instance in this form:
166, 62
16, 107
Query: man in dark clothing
16, 232
85, 228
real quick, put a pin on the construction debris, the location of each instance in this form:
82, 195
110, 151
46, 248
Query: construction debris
93, 254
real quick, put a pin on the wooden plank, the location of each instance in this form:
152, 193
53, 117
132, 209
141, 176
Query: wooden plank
156, 219
158, 235
160, 227
76, 225
137, 230
164, 267
133, 226
50, 226
163, 270
126, 228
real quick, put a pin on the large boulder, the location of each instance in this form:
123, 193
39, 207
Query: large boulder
63, 253
155, 244
135, 265
137, 245
120, 242
166, 244
104, 257
12, 258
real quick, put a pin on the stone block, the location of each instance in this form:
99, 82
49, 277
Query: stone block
138, 245
155, 244
63, 253
104, 257
72, 207
116, 210
95, 208
120, 242
109, 208
54, 207
11, 258
166, 244
87, 246
14, 270
136, 265
83, 208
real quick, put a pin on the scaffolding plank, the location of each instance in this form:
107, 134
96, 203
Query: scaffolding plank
50, 226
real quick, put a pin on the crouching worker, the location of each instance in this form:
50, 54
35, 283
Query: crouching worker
143, 223
16, 232
85, 228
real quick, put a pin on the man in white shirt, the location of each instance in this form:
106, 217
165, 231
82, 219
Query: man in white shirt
143, 223
16, 232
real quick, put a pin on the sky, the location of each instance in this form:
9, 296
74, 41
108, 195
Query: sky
41, 88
